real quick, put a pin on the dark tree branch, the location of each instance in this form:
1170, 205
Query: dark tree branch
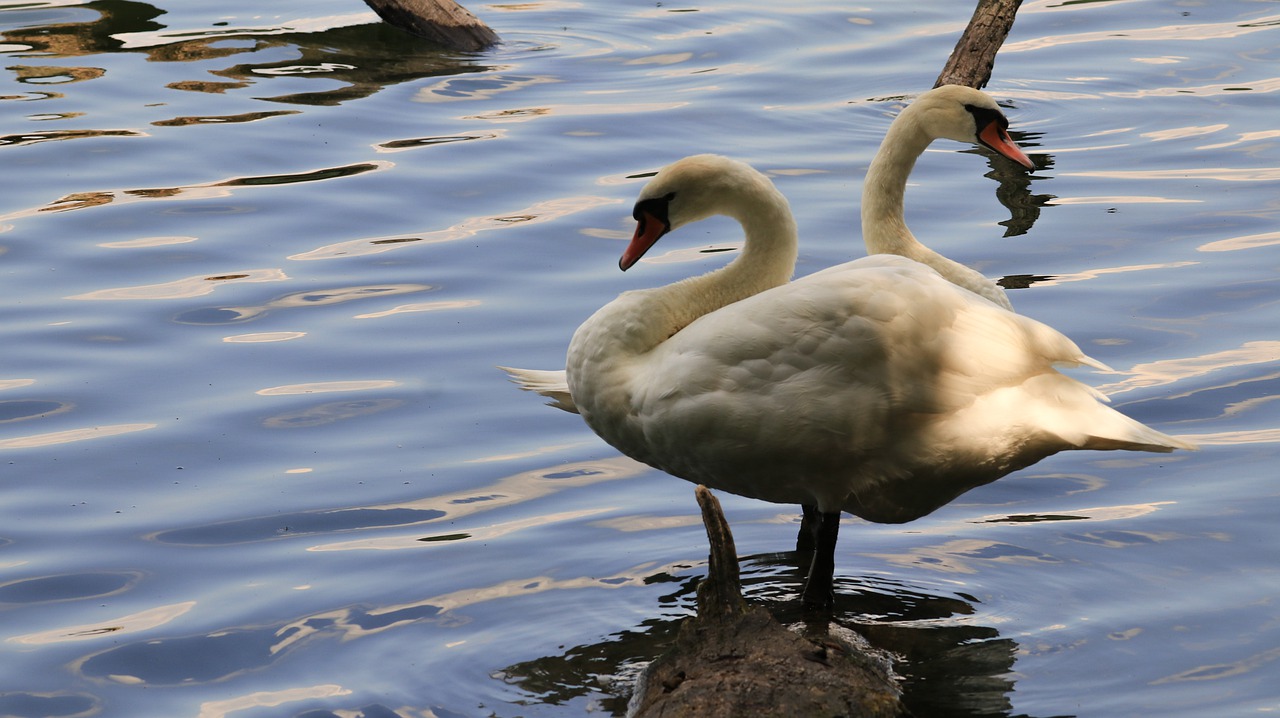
975, 54
720, 596
441, 21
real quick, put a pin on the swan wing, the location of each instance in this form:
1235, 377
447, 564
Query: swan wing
883, 328
832, 375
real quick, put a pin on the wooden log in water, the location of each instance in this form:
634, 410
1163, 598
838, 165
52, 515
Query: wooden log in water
974, 56
441, 21
736, 660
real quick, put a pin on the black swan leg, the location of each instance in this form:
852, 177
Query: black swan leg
810, 520
819, 586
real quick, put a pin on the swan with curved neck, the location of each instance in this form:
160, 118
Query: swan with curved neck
874, 387
949, 112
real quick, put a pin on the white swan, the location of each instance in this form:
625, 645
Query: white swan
949, 112
875, 387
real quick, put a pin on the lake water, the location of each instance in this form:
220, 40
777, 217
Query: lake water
257, 267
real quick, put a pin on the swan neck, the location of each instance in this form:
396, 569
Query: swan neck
884, 227
767, 260
640, 321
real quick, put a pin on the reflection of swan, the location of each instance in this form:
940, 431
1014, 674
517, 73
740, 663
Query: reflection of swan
951, 112
948, 112
874, 387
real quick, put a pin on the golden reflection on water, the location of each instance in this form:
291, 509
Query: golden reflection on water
472, 533
1120, 199
664, 59
964, 556
217, 119
72, 435
1249, 241
148, 242
540, 451
1100, 513
1261, 86
1178, 133
1222, 174
463, 88
59, 75
269, 699
324, 387
315, 298
262, 337
524, 114
1165, 33
354, 50
1216, 671
1094, 273
1170, 371
534, 214
691, 254
960, 556
124, 625
210, 190
31, 138
507, 491
414, 143
633, 524
422, 307
186, 288
349, 623
283, 26
1242, 138
329, 413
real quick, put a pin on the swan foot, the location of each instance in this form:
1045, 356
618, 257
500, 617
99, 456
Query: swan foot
819, 587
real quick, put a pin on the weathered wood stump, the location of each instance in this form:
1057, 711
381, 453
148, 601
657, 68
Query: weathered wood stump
736, 660
974, 56
441, 21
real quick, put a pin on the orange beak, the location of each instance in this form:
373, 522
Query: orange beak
649, 229
995, 137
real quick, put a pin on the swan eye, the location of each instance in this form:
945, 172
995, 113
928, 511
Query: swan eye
983, 116
655, 207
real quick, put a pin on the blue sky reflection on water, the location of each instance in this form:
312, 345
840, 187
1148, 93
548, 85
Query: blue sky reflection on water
259, 267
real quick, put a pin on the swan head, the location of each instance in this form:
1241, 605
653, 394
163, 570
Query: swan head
687, 191
960, 113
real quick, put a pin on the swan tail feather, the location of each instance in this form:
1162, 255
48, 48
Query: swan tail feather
551, 384
1075, 412
1140, 437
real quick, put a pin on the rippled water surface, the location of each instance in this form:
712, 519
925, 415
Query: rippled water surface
258, 262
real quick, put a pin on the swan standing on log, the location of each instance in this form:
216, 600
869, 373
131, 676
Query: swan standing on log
875, 387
